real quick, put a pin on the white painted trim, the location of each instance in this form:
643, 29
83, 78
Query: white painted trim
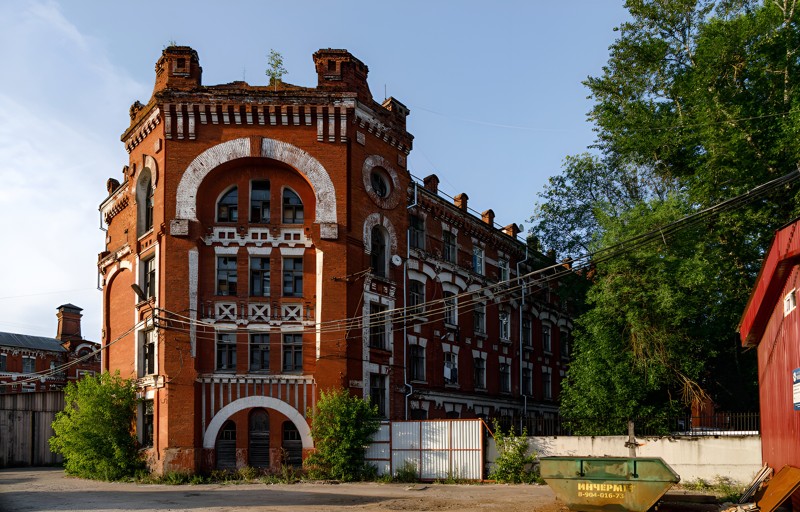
219, 419
293, 251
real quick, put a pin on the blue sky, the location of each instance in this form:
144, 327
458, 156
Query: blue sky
495, 95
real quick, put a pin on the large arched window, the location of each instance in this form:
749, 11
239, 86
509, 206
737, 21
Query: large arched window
292, 207
378, 252
144, 202
228, 206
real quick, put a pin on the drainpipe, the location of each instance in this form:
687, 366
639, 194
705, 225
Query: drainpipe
407, 384
522, 303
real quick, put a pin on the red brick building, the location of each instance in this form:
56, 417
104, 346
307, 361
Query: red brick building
38, 363
266, 243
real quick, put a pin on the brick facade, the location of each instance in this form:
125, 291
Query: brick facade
260, 249
37, 363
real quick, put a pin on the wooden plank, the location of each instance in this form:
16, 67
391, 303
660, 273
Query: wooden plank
782, 485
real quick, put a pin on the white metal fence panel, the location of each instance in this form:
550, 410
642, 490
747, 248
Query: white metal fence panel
438, 449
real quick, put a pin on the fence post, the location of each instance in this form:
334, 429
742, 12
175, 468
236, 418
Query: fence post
631, 444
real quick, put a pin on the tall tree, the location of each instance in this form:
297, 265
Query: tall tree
698, 103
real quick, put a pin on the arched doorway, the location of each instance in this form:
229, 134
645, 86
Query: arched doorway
292, 445
258, 439
226, 446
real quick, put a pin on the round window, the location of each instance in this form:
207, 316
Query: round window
380, 184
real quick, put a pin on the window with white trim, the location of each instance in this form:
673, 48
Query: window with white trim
547, 383
565, 344
292, 352
3, 362
527, 331
547, 344
479, 372
505, 378
292, 277
377, 393
416, 297
789, 302
450, 308
450, 368
416, 232
378, 321
504, 322
28, 364
527, 381
226, 275
149, 344
292, 207
449, 249
479, 318
226, 351
259, 201
259, 276
147, 424
149, 277
503, 270
228, 206
259, 352
416, 362
378, 259
477, 260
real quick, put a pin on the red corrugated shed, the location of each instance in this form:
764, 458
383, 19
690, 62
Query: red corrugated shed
776, 335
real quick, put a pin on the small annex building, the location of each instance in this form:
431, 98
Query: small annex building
771, 324
267, 243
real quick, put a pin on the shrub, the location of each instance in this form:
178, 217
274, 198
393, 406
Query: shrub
407, 473
341, 426
94, 431
513, 464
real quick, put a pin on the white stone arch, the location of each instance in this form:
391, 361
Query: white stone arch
564, 322
267, 402
376, 219
213, 157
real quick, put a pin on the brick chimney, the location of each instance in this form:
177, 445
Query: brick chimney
461, 201
431, 183
178, 68
511, 230
338, 70
69, 325
488, 217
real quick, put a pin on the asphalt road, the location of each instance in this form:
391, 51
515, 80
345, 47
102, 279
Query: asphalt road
48, 489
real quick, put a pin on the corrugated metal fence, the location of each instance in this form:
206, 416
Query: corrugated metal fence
25, 428
437, 449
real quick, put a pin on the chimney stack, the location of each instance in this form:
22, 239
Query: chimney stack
512, 230
488, 217
461, 201
431, 183
69, 324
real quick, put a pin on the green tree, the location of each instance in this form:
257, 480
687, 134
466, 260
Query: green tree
341, 426
275, 69
697, 104
94, 432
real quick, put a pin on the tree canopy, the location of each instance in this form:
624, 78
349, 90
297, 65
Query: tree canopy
699, 102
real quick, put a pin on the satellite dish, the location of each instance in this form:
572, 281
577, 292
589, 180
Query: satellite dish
397, 260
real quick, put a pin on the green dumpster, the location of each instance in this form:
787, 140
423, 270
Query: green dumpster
608, 483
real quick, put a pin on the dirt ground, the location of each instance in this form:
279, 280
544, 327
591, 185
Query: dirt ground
47, 489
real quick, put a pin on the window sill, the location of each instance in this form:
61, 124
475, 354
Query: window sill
450, 326
417, 381
505, 340
527, 347
452, 385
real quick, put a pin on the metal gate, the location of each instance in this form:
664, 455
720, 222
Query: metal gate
258, 439
226, 446
437, 449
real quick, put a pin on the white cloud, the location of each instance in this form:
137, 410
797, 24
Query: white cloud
61, 113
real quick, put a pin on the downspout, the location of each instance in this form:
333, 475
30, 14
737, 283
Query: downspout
522, 303
407, 384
